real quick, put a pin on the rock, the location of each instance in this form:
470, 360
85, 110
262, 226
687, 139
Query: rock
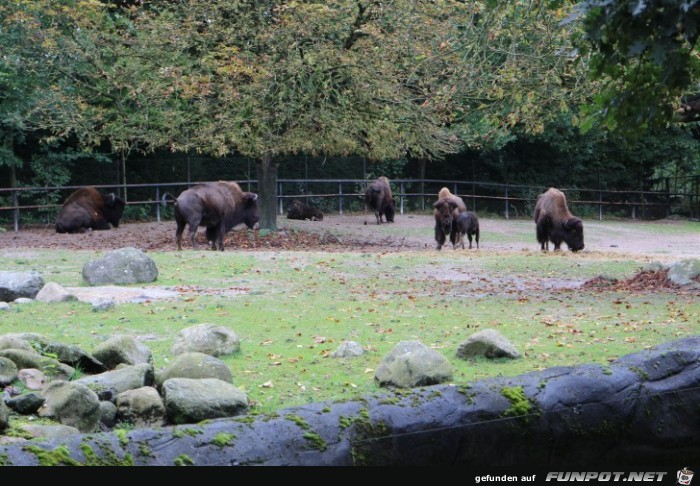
71, 403
74, 356
191, 401
49, 366
655, 266
103, 304
4, 415
14, 285
122, 349
411, 364
108, 414
329, 238
53, 292
13, 341
8, 371
32, 378
4, 306
206, 338
141, 407
123, 266
348, 349
488, 343
23, 300
685, 271
121, 380
195, 366
26, 404
49, 431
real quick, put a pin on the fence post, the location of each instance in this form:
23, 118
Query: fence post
401, 197
507, 213
15, 203
600, 206
158, 203
279, 191
340, 199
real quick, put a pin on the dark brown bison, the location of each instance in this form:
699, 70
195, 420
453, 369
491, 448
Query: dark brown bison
299, 210
379, 199
466, 223
217, 205
88, 209
447, 208
555, 223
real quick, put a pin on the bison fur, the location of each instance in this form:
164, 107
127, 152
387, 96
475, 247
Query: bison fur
378, 198
555, 223
301, 211
88, 209
466, 223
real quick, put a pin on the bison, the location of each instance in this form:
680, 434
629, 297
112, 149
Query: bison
466, 223
88, 209
301, 211
446, 194
447, 208
379, 199
217, 205
555, 223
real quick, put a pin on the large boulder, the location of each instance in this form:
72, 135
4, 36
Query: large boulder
685, 272
8, 371
74, 356
142, 407
195, 365
26, 404
410, 364
15, 285
123, 266
190, 401
4, 415
122, 349
53, 292
49, 431
488, 343
121, 380
206, 338
71, 403
29, 359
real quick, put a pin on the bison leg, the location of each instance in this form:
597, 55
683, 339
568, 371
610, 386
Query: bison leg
439, 236
476, 237
543, 233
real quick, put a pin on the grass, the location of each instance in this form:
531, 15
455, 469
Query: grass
291, 309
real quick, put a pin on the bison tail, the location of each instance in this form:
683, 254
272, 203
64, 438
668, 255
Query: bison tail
167, 197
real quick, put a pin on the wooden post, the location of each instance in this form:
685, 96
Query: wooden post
340, 198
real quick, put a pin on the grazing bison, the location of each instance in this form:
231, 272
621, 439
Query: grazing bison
447, 208
466, 223
379, 199
217, 205
299, 210
555, 223
88, 209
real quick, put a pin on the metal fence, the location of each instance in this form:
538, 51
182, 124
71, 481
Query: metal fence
40, 205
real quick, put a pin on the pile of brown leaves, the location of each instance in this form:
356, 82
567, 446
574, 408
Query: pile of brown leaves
646, 280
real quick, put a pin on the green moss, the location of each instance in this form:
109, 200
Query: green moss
223, 439
519, 403
326, 410
145, 450
316, 441
121, 434
59, 456
640, 372
183, 460
389, 400
179, 433
297, 420
247, 419
4, 460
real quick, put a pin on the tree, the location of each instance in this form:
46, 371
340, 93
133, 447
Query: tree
645, 55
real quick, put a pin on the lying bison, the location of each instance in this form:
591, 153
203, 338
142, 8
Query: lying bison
301, 211
447, 208
88, 209
379, 199
555, 223
217, 205
466, 223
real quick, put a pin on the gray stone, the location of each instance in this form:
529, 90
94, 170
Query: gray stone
206, 338
8, 371
655, 266
411, 364
14, 285
488, 343
121, 380
53, 292
191, 401
74, 356
195, 365
108, 414
23, 300
103, 304
32, 378
4, 306
122, 349
684, 271
348, 349
49, 366
71, 403
4, 415
26, 404
49, 431
123, 266
141, 407
13, 341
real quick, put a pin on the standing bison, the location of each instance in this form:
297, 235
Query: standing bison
217, 205
379, 199
466, 223
301, 211
555, 223
446, 210
88, 209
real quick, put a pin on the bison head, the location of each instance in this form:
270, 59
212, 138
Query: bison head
390, 210
251, 211
113, 208
573, 234
444, 214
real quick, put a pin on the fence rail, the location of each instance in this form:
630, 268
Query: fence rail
38, 204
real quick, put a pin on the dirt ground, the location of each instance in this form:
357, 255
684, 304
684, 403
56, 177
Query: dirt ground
349, 233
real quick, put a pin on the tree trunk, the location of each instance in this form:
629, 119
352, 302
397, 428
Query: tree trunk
266, 170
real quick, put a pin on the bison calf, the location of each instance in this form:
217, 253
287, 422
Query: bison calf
555, 223
301, 211
466, 223
87, 209
379, 199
